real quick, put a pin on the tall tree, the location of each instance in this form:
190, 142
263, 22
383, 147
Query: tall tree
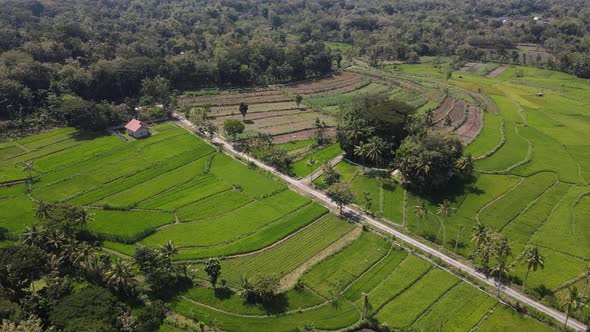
243, 110
121, 277
341, 194
533, 260
573, 301
444, 210
310, 163
213, 270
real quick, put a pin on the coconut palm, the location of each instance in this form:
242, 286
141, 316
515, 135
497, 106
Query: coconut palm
573, 301
501, 268
43, 210
429, 117
444, 210
421, 213
457, 239
28, 168
533, 259
366, 306
375, 149
34, 235
169, 249
121, 277
361, 151
480, 235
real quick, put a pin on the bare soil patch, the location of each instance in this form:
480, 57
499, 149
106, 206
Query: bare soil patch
301, 135
472, 126
496, 72
444, 108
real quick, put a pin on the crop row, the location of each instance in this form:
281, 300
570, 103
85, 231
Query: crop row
126, 226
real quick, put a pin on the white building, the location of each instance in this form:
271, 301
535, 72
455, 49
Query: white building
137, 129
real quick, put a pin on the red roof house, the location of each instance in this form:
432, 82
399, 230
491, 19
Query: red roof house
137, 129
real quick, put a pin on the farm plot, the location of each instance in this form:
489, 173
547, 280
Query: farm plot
471, 125
230, 226
290, 254
342, 83
454, 118
300, 167
403, 310
490, 136
235, 98
284, 122
219, 111
441, 111
126, 226
265, 237
347, 265
508, 207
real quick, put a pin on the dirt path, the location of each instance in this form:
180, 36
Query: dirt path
301, 187
291, 278
318, 172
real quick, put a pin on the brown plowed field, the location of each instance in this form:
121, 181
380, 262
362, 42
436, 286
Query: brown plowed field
456, 114
469, 130
444, 108
253, 108
496, 72
342, 83
301, 135
228, 98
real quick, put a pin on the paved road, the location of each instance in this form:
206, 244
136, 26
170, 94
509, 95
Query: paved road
301, 186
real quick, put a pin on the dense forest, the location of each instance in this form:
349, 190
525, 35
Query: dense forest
60, 58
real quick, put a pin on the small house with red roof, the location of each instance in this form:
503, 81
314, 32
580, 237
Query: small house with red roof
137, 129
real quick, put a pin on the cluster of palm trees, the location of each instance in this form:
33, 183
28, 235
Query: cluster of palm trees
373, 150
66, 254
491, 245
443, 210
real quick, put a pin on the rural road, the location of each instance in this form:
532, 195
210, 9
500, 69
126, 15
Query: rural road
301, 186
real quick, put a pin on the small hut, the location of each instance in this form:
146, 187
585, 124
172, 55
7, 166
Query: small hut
137, 129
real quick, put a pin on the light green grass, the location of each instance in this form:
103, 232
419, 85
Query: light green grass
403, 310
126, 226
338, 271
489, 137
288, 255
214, 205
459, 310
326, 317
254, 182
300, 167
16, 214
505, 319
229, 226
262, 238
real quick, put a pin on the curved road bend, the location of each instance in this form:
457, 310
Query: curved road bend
301, 186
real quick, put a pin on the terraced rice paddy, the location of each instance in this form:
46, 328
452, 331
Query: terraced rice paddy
531, 180
211, 205
174, 186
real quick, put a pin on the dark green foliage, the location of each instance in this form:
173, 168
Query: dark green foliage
88, 309
19, 266
213, 270
341, 194
151, 316
330, 175
374, 120
233, 128
428, 162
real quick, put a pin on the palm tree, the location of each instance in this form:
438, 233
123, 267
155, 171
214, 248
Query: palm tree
573, 301
457, 239
501, 268
43, 210
247, 148
121, 277
429, 117
480, 234
533, 259
34, 235
375, 148
444, 210
169, 249
310, 164
361, 151
421, 212
28, 167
